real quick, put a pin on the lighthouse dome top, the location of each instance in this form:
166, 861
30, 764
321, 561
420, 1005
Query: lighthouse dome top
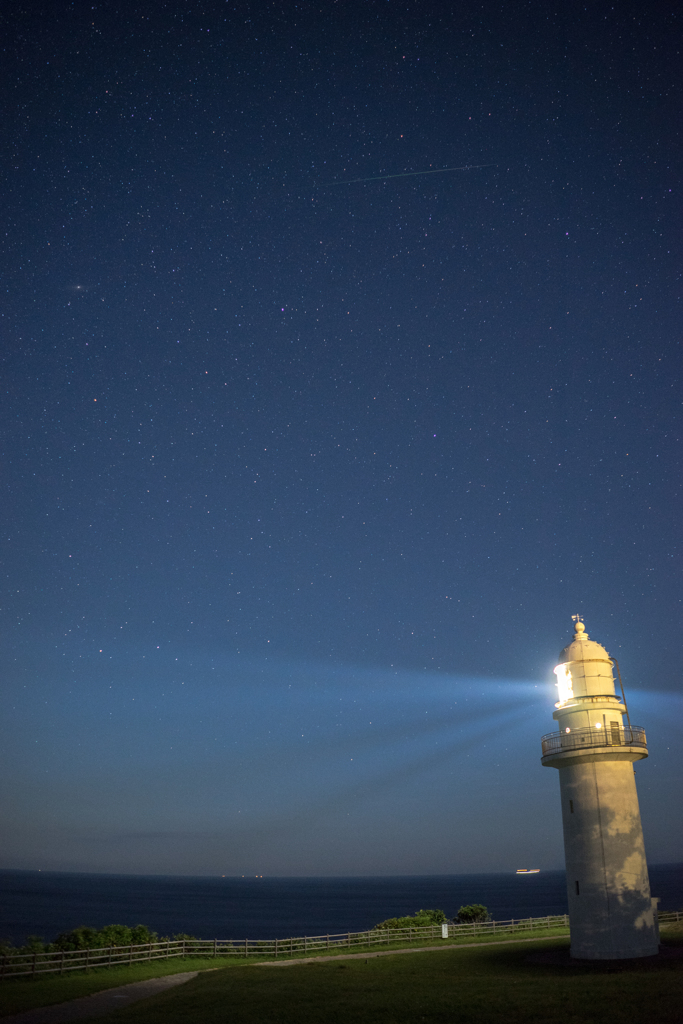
582, 648
588, 662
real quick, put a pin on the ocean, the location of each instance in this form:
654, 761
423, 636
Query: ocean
46, 903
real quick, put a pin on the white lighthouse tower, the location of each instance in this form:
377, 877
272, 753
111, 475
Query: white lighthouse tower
611, 914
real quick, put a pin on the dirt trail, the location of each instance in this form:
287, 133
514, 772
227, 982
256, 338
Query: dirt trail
100, 1003
397, 952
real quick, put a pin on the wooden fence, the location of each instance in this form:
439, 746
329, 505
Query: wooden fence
33, 963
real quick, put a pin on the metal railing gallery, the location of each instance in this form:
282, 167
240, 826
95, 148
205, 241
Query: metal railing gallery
612, 736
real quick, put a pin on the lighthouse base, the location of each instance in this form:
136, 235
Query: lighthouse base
624, 953
611, 914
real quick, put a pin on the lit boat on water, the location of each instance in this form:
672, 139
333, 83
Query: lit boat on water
528, 871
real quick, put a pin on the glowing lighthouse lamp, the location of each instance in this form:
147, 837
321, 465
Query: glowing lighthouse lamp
611, 913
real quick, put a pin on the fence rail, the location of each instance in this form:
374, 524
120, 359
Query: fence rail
28, 963
59, 961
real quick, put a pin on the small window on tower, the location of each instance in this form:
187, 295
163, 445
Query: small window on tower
571, 806
577, 888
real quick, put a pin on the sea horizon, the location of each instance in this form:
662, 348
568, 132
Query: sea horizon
45, 903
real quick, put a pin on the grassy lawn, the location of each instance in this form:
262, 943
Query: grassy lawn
17, 994
489, 983
486, 985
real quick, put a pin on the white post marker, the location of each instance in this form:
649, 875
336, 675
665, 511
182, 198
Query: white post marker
444, 931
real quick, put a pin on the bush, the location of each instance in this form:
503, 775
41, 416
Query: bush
90, 938
33, 944
421, 919
471, 913
110, 935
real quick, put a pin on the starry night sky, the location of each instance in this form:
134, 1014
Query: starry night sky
302, 478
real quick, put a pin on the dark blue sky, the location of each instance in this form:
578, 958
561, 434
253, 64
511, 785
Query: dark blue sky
303, 480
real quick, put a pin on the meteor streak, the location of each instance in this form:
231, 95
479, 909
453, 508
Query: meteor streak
409, 174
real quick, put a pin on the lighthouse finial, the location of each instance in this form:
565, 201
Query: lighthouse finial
579, 628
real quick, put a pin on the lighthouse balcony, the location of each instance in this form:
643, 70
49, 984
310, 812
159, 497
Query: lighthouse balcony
570, 745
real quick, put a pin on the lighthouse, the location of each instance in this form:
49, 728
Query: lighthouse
611, 913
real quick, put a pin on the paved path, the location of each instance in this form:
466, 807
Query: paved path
101, 1003
395, 952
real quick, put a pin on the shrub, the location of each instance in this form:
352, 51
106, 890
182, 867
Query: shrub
33, 944
90, 938
472, 912
110, 935
421, 919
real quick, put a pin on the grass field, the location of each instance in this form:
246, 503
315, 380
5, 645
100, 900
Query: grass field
489, 984
486, 985
17, 994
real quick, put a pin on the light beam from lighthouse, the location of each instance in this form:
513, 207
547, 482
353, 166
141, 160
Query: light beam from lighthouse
611, 913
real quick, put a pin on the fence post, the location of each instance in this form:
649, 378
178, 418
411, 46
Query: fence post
105, 956
56, 962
